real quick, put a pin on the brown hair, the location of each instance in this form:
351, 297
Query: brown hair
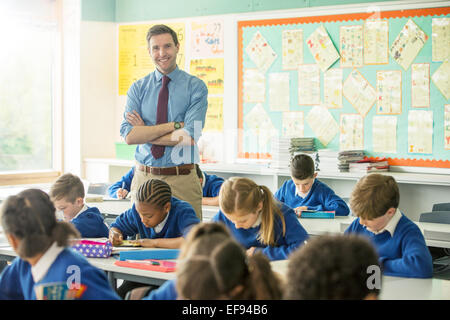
331, 267
239, 193
30, 217
161, 29
155, 192
302, 167
214, 265
373, 195
68, 187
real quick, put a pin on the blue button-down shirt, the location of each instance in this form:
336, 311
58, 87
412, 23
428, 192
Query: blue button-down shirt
187, 103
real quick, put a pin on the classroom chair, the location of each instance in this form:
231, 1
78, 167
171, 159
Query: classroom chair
441, 206
435, 217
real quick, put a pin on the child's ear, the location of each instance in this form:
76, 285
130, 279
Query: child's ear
391, 211
315, 175
79, 201
13, 241
167, 207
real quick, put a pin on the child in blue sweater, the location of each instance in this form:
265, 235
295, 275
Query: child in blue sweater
257, 220
121, 189
30, 225
399, 242
305, 192
212, 265
67, 193
211, 186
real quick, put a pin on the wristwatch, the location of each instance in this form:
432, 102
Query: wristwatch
177, 125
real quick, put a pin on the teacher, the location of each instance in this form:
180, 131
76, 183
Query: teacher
171, 104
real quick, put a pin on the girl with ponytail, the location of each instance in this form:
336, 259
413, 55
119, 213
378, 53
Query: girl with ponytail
29, 222
257, 220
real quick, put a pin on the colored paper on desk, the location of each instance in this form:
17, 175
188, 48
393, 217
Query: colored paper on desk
148, 264
311, 214
159, 254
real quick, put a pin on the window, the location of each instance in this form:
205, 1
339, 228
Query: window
28, 86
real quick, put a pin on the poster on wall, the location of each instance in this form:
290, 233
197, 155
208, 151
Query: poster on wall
211, 72
207, 39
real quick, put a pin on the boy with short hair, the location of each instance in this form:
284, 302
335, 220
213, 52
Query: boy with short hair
333, 267
399, 241
67, 194
304, 192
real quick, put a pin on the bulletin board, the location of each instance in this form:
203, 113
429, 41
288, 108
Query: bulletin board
378, 82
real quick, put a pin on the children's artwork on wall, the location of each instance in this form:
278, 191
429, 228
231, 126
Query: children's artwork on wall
384, 134
207, 38
254, 86
351, 131
441, 79
292, 41
279, 91
420, 131
408, 44
420, 85
292, 124
376, 42
389, 92
332, 88
359, 92
441, 38
211, 72
351, 50
260, 52
308, 84
323, 124
447, 126
322, 48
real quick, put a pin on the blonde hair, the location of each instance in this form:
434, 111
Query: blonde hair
373, 195
245, 195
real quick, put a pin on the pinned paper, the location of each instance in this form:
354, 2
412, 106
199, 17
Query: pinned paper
359, 92
292, 124
351, 132
323, 124
214, 115
211, 71
440, 38
308, 84
420, 131
254, 86
322, 48
260, 52
351, 41
384, 134
389, 92
408, 43
279, 91
259, 122
376, 42
207, 38
292, 42
332, 88
441, 78
420, 85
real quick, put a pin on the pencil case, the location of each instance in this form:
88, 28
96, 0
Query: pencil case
94, 249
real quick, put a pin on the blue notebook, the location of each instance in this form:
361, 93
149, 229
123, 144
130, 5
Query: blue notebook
309, 214
159, 254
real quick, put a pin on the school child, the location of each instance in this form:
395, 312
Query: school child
121, 189
399, 241
211, 186
30, 225
257, 220
305, 192
334, 267
67, 193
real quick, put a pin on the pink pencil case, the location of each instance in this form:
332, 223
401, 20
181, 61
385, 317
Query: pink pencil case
94, 249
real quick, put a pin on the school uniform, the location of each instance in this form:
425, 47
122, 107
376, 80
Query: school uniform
401, 247
320, 198
294, 237
90, 223
167, 291
124, 183
58, 265
211, 185
180, 219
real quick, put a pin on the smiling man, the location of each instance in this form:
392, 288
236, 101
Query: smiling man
164, 116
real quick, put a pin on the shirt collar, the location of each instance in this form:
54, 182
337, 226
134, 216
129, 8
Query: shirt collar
40, 269
158, 228
392, 224
204, 180
171, 75
85, 207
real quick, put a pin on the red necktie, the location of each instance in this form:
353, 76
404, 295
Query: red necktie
161, 114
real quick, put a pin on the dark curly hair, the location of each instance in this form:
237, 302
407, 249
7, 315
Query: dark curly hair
331, 267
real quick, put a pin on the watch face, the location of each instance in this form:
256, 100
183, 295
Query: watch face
177, 125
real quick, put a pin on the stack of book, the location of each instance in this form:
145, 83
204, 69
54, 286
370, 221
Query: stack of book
304, 146
349, 156
369, 165
280, 152
328, 160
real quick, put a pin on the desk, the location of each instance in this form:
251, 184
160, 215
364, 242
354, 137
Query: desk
395, 288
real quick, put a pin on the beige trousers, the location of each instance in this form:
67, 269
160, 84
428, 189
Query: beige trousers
184, 187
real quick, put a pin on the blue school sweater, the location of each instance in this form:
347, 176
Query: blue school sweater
167, 291
403, 255
90, 223
294, 237
212, 185
320, 197
127, 178
17, 283
181, 219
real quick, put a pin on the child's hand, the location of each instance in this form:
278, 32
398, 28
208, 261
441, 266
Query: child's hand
122, 193
146, 243
298, 210
115, 236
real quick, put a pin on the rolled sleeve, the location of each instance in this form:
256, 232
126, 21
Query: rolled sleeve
194, 120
